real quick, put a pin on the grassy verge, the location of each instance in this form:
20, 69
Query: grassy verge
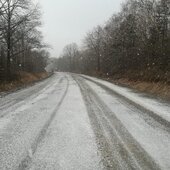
24, 80
158, 89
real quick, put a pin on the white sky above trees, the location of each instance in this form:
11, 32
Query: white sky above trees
67, 21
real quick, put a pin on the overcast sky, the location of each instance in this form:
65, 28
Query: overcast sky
67, 21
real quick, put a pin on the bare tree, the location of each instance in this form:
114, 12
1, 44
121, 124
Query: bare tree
15, 14
93, 41
71, 52
134, 43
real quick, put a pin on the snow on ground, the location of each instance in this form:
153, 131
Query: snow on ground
151, 136
27, 118
19, 101
69, 142
49, 123
4, 122
162, 109
24, 94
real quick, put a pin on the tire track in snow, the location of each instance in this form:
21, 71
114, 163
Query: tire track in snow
118, 148
165, 123
27, 160
42, 86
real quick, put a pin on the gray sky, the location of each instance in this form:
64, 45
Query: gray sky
67, 21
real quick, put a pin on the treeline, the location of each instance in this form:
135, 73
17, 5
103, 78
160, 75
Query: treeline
21, 46
134, 44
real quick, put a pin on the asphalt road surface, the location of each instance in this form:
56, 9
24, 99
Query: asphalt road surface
76, 122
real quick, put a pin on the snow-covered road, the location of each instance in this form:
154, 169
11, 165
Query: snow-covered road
75, 122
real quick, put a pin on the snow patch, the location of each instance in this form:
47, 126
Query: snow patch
4, 122
159, 108
150, 135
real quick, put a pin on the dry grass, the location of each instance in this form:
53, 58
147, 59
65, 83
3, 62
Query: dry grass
159, 89
25, 79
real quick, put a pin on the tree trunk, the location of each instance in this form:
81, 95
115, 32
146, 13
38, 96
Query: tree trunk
9, 44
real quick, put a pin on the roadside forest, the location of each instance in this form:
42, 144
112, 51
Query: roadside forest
21, 43
133, 44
